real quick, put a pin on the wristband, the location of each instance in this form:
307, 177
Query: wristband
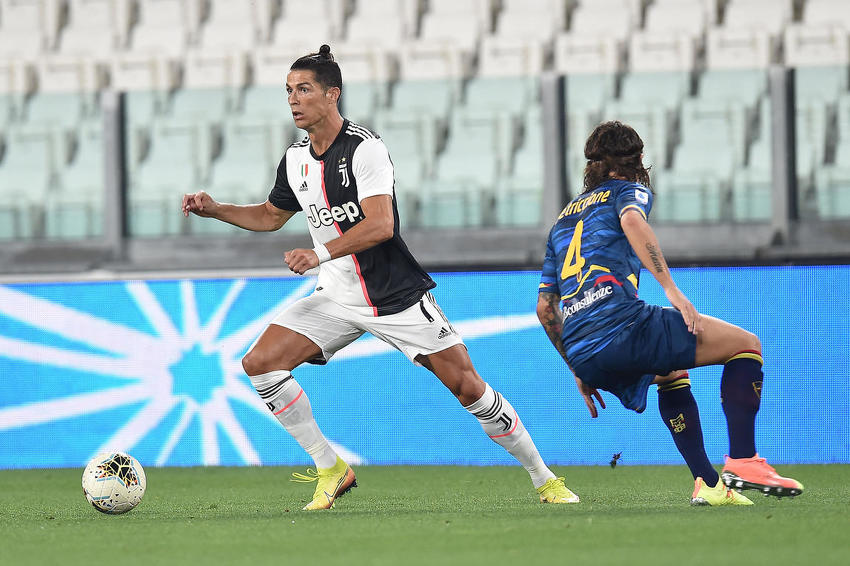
322, 253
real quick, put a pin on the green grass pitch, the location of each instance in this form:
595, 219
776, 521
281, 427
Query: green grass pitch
630, 515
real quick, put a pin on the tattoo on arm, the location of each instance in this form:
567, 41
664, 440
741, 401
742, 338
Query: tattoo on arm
655, 256
552, 322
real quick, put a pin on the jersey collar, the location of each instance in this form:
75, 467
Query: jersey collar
337, 139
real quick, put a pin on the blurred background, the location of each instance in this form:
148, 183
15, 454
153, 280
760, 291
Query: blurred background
122, 324
110, 110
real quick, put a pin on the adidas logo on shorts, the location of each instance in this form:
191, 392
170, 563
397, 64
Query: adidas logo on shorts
443, 333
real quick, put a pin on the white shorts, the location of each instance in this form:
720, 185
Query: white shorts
419, 329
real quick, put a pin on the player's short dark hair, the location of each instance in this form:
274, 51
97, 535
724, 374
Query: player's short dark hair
323, 66
614, 147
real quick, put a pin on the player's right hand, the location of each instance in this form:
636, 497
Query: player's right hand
199, 203
680, 302
588, 393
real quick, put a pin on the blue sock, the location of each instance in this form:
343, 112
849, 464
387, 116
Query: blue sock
679, 410
740, 391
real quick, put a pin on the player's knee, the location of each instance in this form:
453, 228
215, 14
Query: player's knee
751, 342
255, 363
469, 388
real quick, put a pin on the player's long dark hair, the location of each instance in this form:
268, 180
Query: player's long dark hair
323, 66
616, 148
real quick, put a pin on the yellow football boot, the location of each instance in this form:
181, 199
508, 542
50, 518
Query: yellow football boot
554, 491
332, 483
717, 495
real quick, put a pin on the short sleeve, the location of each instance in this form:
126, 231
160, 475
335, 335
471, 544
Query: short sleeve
281, 194
372, 168
634, 196
549, 275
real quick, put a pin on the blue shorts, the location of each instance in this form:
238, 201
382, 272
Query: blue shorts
658, 343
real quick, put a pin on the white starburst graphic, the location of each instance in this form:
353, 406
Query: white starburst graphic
192, 366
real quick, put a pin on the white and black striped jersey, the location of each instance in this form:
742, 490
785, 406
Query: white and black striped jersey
384, 279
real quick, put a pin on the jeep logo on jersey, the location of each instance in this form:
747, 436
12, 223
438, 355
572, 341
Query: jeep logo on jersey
343, 170
327, 216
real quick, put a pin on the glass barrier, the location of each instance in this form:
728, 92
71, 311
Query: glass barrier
465, 155
823, 142
223, 141
51, 167
706, 138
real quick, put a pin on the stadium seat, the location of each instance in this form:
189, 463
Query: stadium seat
300, 37
746, 86
460, 34
843, 118
75, 209
66, 92
695, 188
212, 81
512, 95
367, 75
429, 79
811, 129
829, 12
587, 53
95, 28
661, 51
32, 156
147, 79
17, 81
714, 123
399, 15
832, 187
167, 27
409, 136
28, 27
606, 18
737, 49
245, 169
752, 185
519, 198
176, 162
689, 18
307, 14
768, 15
665, 89
591, 65
386, 32
499, 57
816, 45
523, 22
237, 25
461, 192
480, 12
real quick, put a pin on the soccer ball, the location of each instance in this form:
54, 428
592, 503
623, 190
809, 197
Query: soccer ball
114, 482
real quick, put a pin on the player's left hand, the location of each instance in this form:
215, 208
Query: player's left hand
301, 260
588, 393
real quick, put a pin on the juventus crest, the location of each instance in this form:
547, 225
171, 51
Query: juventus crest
343, 170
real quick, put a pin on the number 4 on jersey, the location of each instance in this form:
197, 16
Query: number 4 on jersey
573, 262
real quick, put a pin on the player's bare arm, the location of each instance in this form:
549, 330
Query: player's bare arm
552, 321
645, 244
376, 227
263, 217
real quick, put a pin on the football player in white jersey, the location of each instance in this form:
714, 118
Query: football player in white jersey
341, 176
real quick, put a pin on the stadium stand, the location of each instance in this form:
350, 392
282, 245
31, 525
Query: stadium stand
454, 87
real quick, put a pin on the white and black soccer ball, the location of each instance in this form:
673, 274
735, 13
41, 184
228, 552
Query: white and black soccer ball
114, 482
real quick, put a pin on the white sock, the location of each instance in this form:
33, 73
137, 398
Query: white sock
285, 398
502, 424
